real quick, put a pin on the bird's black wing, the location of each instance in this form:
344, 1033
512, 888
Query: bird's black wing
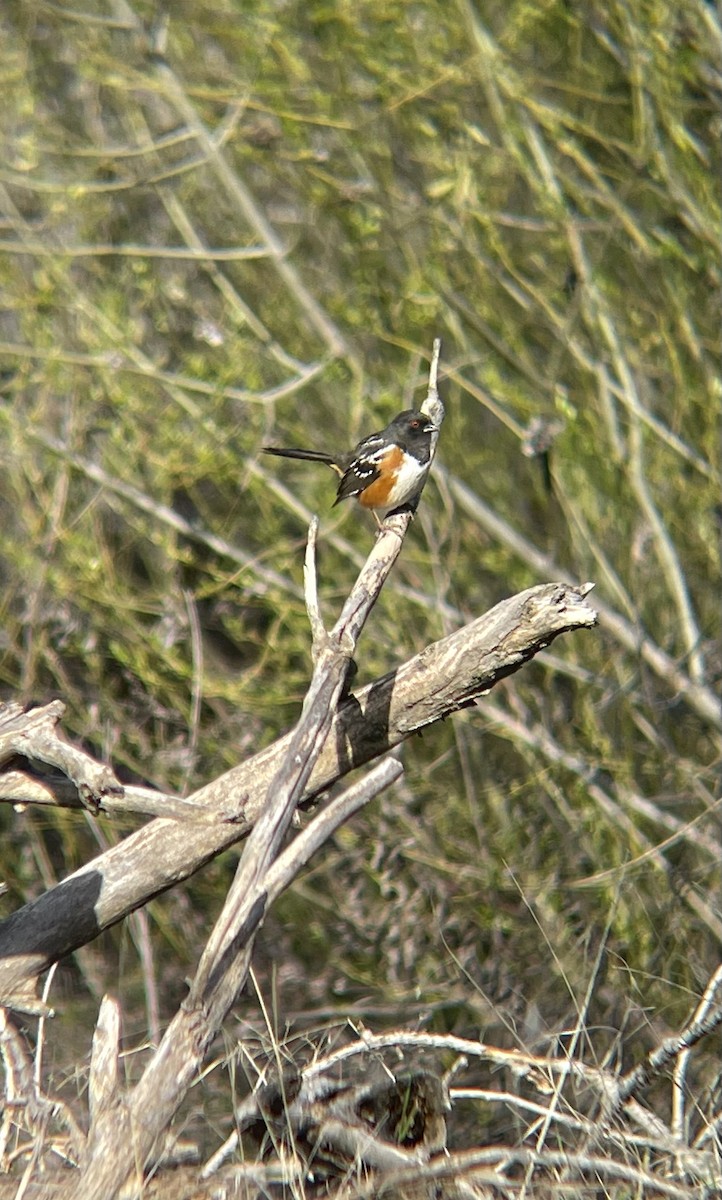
364, 467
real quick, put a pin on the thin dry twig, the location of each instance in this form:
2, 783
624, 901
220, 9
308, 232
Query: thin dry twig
310, 587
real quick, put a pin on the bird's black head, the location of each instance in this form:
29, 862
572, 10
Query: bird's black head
412, 430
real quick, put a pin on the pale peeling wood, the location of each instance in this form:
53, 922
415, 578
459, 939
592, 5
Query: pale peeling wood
104, 1078
432, 685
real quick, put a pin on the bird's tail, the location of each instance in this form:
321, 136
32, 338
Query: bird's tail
310, 455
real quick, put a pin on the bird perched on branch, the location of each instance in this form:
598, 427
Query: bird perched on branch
386, 469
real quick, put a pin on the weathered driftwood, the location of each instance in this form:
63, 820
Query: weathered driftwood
264, 870
444, 677
332, 737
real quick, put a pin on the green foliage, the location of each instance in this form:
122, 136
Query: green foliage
537, 184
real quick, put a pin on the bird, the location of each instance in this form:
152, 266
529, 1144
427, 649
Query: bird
385, 470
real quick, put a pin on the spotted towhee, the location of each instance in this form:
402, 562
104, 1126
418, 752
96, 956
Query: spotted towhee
385, 470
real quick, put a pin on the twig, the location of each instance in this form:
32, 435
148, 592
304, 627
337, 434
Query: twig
432, 405
23, 1095
46, 1013
494, 1166
702, 1014
521, 1063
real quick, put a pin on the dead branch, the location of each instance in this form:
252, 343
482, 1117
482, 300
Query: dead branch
32, 735
706, 1018
143, 1115
444, 677
27, 1111
30, 742
262, 873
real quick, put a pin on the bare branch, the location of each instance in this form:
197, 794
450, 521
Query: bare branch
184, 1045
32, 735
448, 675
226, 958
25, 1105
707, 1018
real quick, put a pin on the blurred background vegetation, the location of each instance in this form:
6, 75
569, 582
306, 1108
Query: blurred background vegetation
253, 233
